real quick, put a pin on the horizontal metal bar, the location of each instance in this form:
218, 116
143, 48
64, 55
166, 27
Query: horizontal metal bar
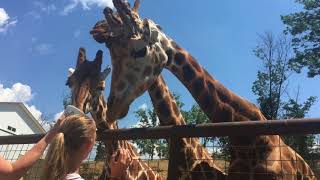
248, 128
21, 139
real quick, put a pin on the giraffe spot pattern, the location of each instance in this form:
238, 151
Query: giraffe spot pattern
174, 69
179, 58
197, 86
158, 94
140, 53
194, 63
152, 87
188, 72
223, 96
225, 114
175, 45
169, 53
175, 108
163, 109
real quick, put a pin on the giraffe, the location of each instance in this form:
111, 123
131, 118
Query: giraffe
196, 162
87, 85
140, 50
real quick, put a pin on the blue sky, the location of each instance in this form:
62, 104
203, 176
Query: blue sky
39, 42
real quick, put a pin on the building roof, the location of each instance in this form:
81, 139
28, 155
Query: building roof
26, 110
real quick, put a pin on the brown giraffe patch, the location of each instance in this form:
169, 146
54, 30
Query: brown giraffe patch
194, 63
169, 53
179, 58
198, 86
188, 72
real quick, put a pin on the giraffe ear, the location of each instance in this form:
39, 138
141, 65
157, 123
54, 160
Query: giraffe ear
70, 72
98, 58
81, 56
104, 74
136, 6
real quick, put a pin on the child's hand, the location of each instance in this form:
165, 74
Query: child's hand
55, 129
119, 166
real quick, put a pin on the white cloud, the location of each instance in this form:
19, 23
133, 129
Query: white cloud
86, 5
19, 93
143, 106
6, 21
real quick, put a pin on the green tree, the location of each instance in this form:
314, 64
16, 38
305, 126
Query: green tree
196, 116
148, 118
304, 26
271, 84
100, 151
303, 144
271, 80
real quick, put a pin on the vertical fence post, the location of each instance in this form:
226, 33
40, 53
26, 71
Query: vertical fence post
173, 170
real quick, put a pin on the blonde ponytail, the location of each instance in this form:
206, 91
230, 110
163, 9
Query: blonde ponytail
76, 130
56, 160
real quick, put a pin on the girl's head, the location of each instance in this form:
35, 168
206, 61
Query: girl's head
76, 139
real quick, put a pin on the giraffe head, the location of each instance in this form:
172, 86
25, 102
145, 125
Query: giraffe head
86, 81
138, 50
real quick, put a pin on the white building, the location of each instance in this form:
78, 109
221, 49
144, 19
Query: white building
16, 119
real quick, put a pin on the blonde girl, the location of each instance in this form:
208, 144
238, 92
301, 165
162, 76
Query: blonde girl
71, 146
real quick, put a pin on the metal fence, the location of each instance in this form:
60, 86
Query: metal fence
11, 147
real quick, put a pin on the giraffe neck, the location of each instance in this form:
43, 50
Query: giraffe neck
192, 159
217, 102
137, 168
165, 104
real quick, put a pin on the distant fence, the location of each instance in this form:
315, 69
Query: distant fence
252, 128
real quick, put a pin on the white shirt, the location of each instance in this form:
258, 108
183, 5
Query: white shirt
74, 176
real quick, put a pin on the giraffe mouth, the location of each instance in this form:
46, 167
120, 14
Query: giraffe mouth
114, 115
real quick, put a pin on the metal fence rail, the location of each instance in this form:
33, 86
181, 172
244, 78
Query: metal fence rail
248, 128
16, 145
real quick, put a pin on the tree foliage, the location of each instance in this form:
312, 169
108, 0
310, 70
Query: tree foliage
303, 144
148, 118
271, 84
150, 147
304, 26
271, 80
100, 151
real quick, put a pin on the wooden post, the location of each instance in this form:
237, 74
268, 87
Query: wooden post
173, 170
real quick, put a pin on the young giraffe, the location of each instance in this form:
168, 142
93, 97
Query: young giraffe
87, 86
140, 50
